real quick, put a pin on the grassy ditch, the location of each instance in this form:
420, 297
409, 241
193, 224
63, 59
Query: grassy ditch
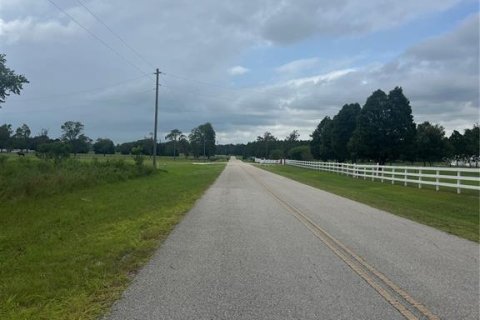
70, 255
445, 210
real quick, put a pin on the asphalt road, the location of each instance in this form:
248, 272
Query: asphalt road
260, 246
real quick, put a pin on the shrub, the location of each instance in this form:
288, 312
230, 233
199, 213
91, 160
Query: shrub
276, 154
300, 153
137, 156
24, 178
58, 151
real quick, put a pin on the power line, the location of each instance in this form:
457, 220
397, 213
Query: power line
96, 37
63, 107
116, 35
138, 54
82, 91
199, 81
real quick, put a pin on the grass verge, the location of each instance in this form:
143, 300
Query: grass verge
457, 214
26, 178
69, 256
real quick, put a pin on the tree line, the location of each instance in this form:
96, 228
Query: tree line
200, 142
383, 130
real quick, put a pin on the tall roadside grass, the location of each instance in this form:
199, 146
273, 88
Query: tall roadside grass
70, 255
27, 178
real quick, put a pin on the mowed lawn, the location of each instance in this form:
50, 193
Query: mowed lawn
446, 210
69, 256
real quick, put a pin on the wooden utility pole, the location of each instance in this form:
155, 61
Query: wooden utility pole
157, 73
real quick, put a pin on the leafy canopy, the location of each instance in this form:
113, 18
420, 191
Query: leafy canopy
10, 82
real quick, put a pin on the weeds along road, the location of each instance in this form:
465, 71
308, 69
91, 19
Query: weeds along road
260, 246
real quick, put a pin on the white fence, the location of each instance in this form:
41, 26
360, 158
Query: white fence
267, 161
458, 178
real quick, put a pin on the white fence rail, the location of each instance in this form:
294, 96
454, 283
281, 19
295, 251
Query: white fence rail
458, 178
267, 161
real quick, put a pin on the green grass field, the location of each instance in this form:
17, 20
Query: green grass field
445, 210
70, 255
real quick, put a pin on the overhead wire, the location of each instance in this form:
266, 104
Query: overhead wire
141, 57
72, 106
138, 54
73, 93
97, 37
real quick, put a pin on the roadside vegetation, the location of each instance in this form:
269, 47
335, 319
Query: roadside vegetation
73, 234
445, 210
31, 178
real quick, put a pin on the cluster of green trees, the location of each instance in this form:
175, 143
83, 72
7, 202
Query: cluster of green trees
271, 147
73, 140
383, 131
200, 142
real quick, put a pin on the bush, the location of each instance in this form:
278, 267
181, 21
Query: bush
58, 151
137, 156
276, 154
25, 178
300, 153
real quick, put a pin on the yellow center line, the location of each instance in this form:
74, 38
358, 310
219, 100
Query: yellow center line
355, 262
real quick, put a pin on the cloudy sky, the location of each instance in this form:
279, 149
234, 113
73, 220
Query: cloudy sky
245, 66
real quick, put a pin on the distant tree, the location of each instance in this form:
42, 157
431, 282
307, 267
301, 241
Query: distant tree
300, 153
73, 135
5, 134
431, 144
343, 125
196, 141
125, 148
202, 140
472, 141
104, 146
458, 143
290, 141
57, 151
82, 144
174, 136
267, 139
276, 154
39, 139
21, 137
184, 146
321, 143
9, 81
384, 128
293, 136
402, 127
71, 130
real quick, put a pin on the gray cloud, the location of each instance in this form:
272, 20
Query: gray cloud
200, 41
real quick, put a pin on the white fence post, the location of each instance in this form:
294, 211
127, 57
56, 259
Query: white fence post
420, 179
393, 175
458, 181
437, 186
405, 178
